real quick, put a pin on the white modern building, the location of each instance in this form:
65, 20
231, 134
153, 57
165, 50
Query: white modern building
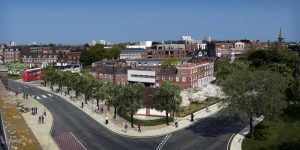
145, 76
93, 43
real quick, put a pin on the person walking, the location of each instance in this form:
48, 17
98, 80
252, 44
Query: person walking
40, 119
81, 104
126, 127
44, 112
101, 109
106, 120
139, 126
32, 111
192, 117
176, 122
36, 110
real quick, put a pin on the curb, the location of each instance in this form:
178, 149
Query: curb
261, 118
123, 135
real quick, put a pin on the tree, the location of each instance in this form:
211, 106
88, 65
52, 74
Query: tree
77, 82
169, 61
132, 99
116, 50
254, 93
167, 98
92, 54
68, 80
114, 96
224, 68
16, 67
88, 83
99, 90
47, 72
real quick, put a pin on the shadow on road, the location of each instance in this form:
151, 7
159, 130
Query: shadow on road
216, 126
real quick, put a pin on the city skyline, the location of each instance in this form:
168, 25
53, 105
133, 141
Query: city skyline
78, 22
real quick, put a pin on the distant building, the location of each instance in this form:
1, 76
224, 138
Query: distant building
186, 75
93, 43
102, 42
186, 38
11, 54
133, 53
12, 44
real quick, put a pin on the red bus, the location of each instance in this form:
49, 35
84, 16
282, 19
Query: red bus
32, 74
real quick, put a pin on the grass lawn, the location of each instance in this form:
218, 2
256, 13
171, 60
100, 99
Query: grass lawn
193, 107
14, 76
283, 134
147, 122
19, 132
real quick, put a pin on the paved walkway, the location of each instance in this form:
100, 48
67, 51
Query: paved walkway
117, 125
41, 131
237, 139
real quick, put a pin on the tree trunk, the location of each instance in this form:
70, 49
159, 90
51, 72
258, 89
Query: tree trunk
97, 103
131, 119
115, 112
251, 127
167, 117
85, 99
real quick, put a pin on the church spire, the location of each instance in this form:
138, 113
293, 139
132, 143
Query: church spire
280, 37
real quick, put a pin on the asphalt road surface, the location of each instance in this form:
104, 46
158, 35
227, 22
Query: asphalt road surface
211, 133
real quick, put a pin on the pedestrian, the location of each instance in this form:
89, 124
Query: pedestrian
24, 95
81, 104
126, 127
176, 122
32, 111
42, 119
101, 109
106, 120
65, 93
139, 126
192, 117
44, 112
36, 110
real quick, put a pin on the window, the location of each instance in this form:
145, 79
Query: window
177, 79
170, 78
183, 79
163, 77
118, 76
123, 77
105, 76
157, 77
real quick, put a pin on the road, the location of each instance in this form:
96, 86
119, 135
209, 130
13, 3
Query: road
211, 133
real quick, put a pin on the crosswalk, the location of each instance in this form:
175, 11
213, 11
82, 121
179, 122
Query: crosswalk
41, 97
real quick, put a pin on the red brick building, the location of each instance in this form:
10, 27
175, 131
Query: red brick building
11, 54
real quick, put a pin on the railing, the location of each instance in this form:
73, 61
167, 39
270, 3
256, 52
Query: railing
6, 144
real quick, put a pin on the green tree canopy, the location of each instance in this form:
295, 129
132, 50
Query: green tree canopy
132, 99
167, 98
255, 93
169, 61
113, 95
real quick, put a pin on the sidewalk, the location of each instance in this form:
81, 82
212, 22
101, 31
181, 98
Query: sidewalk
117, 125
237, 139
41, 131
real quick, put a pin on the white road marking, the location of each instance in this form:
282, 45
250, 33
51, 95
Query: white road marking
77, 140
163, 142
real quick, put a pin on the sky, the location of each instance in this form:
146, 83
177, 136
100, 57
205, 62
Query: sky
81, 21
